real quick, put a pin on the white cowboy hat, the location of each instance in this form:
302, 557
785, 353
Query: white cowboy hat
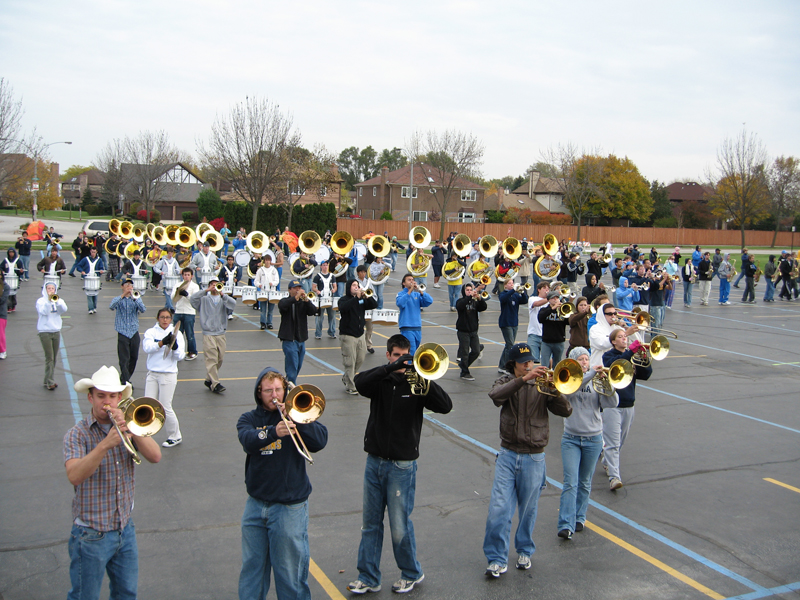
105, 379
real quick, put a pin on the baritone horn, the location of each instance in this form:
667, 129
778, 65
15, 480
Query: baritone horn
430, 362
143, 417
304, 404
619, 375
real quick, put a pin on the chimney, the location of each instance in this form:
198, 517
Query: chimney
382, 196
532, 183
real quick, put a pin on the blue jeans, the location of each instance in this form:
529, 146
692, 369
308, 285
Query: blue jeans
414, 336
93, 553
518, 479
266, 312
379, 295
453, 293
579, 455
738, 278
168, 299
687, 293
657, 312
724, 289
535, 342
551, 350
187, 327
509, 336
294, 352
75, 264
388, 484
25, 261
770, 293
274, 536
92, 302
331, 322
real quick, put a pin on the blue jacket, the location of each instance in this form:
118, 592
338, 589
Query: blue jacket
239, 243
410, 305
696, 258
274, 471
627, 395
625, 296
510, 302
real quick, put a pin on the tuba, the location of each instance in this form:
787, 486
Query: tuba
378, 245
126, 230
462, 245
512, 248
171, 234
159, 235
550, 244
256, 241
308, 269
201, 231
417, 264
342, 242
113, 226
478, 269
488, 245
153, 257
138, 233
309, 242
419, 237
546, 267
214, 239
382, 276
304, 404
186, 237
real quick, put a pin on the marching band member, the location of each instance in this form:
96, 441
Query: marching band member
212, 311
113, 260
53, 240
184, 312
535, 304
581, 445
91, 266
49, 328
12, 265
724, 273
625, 295
23, 246
411, 301
275, 518
391, 441
324, 284
341, 281
520, 472
574, 268
417, 262
377, 269
365, 284
607, 321
266, 279
525, 263
769, 272
293, 332
5, 294
162, 370
469, 345
785, 267
749, 269
658, 292
352, 307
451, 267
553, 330
704, 276
204, 261
437, 261
80, 249
617, 421
101, 469
579, 325
301, 265
229, 273
126, 323
134, 267
688, 275
167, 265
52, 264
508, 321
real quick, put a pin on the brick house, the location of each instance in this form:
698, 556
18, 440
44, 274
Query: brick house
72, 190
538, 194
391, 191
176, 188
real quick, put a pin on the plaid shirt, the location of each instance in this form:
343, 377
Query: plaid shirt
103, 501
126, 321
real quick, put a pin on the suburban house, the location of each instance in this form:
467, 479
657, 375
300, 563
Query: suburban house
174, 187
687, 192
538, 194
74, 188
391, 191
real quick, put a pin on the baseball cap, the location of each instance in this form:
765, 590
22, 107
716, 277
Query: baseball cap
520, 353
295, 283
206, 244
125, 280
213, 278
552, 295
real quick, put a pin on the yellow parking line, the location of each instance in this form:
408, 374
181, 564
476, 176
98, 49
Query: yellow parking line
323, 580
787, 486
655, 562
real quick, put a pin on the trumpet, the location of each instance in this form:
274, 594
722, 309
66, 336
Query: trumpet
368, 293
135, 295
526, 287
565, 378
304, 404
310, 297
430, 362
421, 287
219, 286
484, 295
53, 298
619, 375
143, 417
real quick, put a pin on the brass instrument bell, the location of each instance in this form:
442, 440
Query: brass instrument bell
309, 241
342, 242
419, 237
378, 245
512, 248
488, 246
462, 245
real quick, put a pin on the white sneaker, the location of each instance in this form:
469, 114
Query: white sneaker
495, 570
230, 317
3, 355
171, 443
436, 285
523, 562
359, 587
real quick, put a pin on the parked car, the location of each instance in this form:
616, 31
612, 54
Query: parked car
94, 226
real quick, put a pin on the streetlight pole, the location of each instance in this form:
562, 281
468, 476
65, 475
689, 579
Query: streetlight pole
36, 178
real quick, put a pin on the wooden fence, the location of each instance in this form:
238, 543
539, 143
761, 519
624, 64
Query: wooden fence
644, 236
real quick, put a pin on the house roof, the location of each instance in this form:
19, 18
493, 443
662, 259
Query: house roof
424, 175
684, 192
515, 200
544, 185
161, 169
93, 177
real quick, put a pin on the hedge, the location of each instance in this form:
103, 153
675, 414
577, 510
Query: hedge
317, 217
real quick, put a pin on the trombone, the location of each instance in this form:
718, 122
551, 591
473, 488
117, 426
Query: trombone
643, 320
143, 417
304, 404
430, 362
565, 379
608, 379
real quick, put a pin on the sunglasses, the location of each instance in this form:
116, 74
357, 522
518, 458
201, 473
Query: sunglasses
610, 313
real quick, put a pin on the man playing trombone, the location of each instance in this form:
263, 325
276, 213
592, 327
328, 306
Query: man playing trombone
275, 518
101, 469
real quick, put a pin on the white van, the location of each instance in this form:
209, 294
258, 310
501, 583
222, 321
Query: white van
94, 226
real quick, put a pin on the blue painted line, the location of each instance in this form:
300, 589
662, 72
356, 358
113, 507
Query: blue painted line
784, 329
73, 395
769, 360
725, 410
641, 528
781, 589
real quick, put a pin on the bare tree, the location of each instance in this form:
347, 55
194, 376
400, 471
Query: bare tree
12, 142
741, 192
147, 157
309, 173
250, 148
452, 156
783, 179
579, 174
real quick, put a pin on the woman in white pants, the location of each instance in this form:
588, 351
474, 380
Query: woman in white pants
164, 349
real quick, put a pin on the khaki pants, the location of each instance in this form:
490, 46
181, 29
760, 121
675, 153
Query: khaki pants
213, 352
50, 343
354, 349
368, 333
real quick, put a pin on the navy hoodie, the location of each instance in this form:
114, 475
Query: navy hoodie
627, 395
274, 471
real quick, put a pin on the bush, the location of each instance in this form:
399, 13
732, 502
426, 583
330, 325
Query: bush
98, 210
189, 216
318, 217
387, 216
494, 216
136, 207
666, 222
217, 223
155, 216
210, 205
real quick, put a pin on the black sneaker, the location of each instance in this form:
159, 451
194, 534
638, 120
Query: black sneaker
269, 326
467, 377
565, 534
578, 527
263, 326
207, 383
218, 389
371, 350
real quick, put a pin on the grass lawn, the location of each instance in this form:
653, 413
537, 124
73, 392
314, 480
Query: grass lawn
54, 215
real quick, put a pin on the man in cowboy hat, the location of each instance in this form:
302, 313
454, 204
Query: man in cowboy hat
103, 535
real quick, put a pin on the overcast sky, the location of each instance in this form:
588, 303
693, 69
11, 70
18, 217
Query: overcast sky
663, 83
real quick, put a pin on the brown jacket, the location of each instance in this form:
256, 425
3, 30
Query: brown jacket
524, 424
578, 330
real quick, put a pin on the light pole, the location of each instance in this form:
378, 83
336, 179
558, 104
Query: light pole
35, 173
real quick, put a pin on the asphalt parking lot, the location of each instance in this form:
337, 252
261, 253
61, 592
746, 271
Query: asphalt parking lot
709, 508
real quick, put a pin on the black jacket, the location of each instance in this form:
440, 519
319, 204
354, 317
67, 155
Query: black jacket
352, 311
395, 415
468, 309
627, 395
294, 321
553, 326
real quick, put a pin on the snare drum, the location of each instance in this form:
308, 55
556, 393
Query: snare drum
336, 303
12, 281
241, 257
54, 279
325, 301
262, 295
249, 295
227, 290
205, 279
237, 291
140, 283
91, 285
368, 315
171, 282
386, 317
276, 296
